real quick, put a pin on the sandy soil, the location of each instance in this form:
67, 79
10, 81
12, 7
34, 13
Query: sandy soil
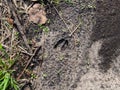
90, 63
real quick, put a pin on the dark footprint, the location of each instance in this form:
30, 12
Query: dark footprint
62, 42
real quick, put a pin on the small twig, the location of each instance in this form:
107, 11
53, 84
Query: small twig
75, 29
24, 51
18, 24
5, 38
15, 2
28, 63
12, 39
61, 18
35, 52
27, 53
71, 32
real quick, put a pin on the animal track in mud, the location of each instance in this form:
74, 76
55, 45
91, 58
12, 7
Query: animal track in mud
107, 29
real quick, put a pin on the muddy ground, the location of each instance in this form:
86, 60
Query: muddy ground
91, 59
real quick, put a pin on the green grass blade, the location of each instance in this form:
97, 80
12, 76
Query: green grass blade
6, 81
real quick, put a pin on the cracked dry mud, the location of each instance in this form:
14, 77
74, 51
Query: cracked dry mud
92, 63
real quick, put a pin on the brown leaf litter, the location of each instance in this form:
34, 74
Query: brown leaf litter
37, 14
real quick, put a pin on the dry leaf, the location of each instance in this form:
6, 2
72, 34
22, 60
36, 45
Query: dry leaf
10, 21
37, 14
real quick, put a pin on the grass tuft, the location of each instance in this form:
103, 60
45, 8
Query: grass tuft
7, 82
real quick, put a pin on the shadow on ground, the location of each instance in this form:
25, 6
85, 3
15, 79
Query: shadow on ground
107, 29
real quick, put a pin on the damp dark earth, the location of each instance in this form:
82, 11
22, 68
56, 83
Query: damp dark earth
75, 46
